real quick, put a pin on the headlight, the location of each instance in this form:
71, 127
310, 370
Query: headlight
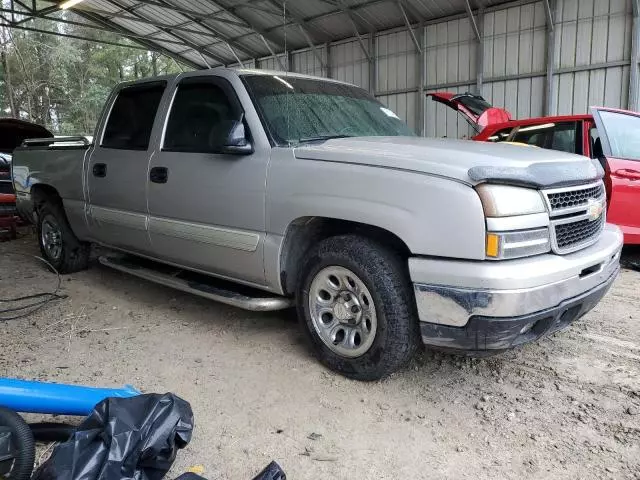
516, 244
508, 201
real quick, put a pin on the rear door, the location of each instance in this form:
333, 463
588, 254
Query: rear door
117, 173
619, 139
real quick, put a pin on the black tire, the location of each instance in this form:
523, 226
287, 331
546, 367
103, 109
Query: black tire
74, 255
385, 274
23, 443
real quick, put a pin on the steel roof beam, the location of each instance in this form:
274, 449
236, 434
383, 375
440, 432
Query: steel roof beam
312, 47
410, 28
222, 36
297, 20
34, 15
255, 30
360, 40
209, 28
208, 17
273, 54
472, 19
235, 55
261, 33
309, 20
67, 35
187, 42
244, 23
549, 14
150, 45
351, 12
131, 18
23, 5
354, 25
186, 11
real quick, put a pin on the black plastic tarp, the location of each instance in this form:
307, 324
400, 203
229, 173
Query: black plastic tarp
133, 438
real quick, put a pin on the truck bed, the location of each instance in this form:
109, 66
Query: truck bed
59, 162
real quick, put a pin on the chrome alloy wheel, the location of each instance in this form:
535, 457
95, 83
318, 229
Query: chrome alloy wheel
342, 311
51, 237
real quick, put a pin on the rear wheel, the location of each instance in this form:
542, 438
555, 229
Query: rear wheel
58, 243
357, 307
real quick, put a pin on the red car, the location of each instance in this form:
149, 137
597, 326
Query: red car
609, 135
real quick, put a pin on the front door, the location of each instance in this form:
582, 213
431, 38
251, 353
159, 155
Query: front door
117, 173
619, 142
207, 208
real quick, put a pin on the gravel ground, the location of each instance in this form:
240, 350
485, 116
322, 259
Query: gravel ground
567, 406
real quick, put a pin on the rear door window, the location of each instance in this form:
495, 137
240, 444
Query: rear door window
132, 115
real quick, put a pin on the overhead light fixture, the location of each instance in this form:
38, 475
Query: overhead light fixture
68, 4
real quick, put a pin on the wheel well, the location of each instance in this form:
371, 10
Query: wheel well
305, 232
42, 193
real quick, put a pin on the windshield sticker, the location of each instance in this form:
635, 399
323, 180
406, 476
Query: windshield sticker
389, 113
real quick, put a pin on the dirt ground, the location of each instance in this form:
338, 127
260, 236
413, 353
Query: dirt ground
565, 407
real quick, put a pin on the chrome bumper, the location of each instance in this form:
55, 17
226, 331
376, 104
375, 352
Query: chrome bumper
450, 292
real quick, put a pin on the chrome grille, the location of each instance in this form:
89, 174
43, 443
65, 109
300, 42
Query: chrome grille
574, 197
577, 216
570, 235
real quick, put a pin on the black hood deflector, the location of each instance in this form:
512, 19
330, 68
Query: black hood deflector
540, 175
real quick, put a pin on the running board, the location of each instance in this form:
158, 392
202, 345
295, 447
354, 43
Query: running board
197, 284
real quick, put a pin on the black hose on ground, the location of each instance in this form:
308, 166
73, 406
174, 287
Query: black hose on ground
19, 465
51, 432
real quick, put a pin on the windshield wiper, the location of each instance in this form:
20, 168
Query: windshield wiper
322, 138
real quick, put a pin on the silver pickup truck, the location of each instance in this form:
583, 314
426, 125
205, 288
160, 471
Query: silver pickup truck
266, 190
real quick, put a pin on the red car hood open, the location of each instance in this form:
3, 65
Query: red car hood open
474, 108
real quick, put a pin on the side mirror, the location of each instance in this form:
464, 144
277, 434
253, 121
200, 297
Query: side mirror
237, 142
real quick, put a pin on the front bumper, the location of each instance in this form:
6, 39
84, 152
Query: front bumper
470, 305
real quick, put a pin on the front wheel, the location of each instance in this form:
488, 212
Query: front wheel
356, 304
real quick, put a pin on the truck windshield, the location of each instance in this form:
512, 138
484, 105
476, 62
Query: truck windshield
297, 110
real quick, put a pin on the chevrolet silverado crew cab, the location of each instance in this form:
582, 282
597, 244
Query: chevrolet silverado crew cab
266, 190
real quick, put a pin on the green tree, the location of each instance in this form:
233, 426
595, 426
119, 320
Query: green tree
62, 83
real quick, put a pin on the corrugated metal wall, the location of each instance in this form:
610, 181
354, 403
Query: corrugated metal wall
591, 62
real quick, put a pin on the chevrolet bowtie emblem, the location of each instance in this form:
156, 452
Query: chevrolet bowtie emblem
594, 209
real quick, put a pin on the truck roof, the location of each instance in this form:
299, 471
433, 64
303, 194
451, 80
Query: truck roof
237, 71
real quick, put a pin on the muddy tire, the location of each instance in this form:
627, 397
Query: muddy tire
357, 308
58, 244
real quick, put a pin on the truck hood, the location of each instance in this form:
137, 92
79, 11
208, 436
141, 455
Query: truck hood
461, 160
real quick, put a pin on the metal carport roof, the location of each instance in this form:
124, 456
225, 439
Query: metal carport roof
207, 33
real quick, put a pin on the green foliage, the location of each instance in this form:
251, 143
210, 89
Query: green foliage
62, 83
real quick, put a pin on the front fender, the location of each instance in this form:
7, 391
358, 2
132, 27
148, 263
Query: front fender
434, 216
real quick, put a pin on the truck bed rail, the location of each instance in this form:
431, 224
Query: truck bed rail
72, 140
